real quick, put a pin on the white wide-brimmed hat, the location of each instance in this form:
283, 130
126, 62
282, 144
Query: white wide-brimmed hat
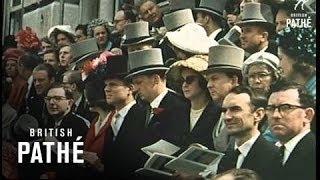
144, 61
191, 38
53, 31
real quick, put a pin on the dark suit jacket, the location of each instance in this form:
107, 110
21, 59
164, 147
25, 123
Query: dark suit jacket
202, 131
167, 125
83, 110
122, 156
301, 163
261, 159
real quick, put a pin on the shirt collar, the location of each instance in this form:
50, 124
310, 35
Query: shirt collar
214, 34
245, 147
123, 112
156, 102
78, 101
289, 146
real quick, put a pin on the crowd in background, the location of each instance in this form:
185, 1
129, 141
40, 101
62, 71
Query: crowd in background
231, 75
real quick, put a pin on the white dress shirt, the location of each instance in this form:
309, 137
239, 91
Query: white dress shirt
119, 116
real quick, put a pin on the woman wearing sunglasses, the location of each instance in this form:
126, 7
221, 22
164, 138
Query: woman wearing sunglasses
201, 114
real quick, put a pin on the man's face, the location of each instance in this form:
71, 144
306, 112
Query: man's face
120, 21
251, 38
200, 18
144, 87
80, 36
281, 20
65, 56
116, 91
219, 84
41, 81
62, 40
291, 121
45, 46
150, 12
11, 67
100, 33
51, 59
56, 102
238, 114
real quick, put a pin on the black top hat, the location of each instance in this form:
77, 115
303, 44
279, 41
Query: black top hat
84, 50
117, 67
215, 7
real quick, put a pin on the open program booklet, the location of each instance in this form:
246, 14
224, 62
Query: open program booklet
194, 160
155, 167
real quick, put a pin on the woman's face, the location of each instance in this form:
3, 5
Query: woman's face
11, 68
190, 86
259, 77
286, 63
100, 33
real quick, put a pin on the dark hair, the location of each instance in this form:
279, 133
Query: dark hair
130, 15
231, 72
240, 174
67, 91
75, 77
305, 98
30, 61
218, 20
46, 67
53, 51
257, 102
46, 40
68, 35
83, 28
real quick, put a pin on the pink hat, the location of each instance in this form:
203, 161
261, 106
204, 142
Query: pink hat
12, 54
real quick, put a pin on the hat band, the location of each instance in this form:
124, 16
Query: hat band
224, 66
215, 11
145, 68
134, 40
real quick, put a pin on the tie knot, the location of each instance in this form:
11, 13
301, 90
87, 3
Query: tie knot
157, 110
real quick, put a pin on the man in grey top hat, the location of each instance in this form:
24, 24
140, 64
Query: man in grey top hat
147, 72
257, 28
223, 73
210, 16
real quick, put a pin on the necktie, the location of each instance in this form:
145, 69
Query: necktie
114, 124
234, 158
148, 115
281, 154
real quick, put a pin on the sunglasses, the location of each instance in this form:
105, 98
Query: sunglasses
189, 79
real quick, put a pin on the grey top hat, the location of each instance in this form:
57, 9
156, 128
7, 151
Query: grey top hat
181, 4
232, 36
177, 19
137, 33
215, 7
24, 124
84, 50
225, 57
256, 13
144, 61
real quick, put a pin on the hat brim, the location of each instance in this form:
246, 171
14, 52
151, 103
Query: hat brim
208, 11
146, 70
254, 21
220, 69
116, 75
137, 41
85, 57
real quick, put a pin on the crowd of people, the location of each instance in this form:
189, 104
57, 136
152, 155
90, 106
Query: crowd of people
231, 75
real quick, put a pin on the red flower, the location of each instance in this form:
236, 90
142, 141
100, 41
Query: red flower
28, 39
156, 111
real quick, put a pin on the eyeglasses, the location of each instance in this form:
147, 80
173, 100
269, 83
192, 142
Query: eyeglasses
54, 98
258, 76
283, 108
189, 79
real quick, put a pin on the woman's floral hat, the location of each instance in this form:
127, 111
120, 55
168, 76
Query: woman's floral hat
299, 43
27, 39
